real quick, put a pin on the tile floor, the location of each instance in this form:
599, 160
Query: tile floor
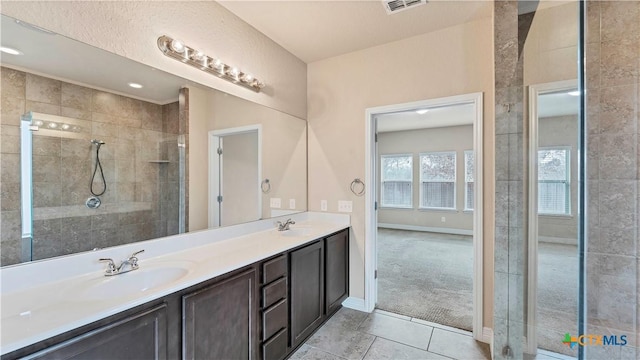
381, 335
356, 335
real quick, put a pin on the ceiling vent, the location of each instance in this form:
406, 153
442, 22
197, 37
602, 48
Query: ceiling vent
395, 6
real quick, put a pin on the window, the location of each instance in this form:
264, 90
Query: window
553, 181
396, 178
438, 180
468, 179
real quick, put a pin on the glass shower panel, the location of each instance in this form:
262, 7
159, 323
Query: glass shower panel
550, 76
553, 218
61, 179
536, 42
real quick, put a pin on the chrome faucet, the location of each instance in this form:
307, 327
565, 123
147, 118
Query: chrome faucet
285, 226
125, 266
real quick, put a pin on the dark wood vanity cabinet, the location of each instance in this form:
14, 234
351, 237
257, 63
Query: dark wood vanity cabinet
336, 248
139, 336
274, 312
307, 291
219, 321
319, 275
262, 311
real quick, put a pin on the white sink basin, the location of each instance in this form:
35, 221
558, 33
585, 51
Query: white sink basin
296, 232
131, 283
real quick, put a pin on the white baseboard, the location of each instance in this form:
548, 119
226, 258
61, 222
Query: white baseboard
355, 304
426, 229
558, 240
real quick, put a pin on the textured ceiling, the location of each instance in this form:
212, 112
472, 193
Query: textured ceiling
316, 30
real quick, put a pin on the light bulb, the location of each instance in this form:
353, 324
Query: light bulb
65, 126
234, 72
217, 63
177, 46
53, 125
38, 123
135, 85
198, 56
247, 78
422, 111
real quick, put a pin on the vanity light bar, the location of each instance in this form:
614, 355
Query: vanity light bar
176, 49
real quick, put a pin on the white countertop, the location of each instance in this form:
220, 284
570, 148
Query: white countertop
46, 298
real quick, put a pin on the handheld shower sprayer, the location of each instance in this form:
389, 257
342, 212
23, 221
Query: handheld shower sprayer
98, 165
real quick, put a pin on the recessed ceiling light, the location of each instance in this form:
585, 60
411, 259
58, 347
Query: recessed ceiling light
422, 111
574, 93
8, 50
135, 85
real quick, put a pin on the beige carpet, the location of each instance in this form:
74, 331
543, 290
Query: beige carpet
429, 276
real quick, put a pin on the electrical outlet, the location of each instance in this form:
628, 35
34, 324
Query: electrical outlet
443, 219
292, 204
345, 206
323, 205
275, 203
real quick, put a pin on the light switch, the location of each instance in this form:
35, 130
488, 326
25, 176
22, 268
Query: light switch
292, 204
345, 206
323, 205
275, 203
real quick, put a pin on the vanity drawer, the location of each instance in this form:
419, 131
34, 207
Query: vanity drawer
274, 319
274, 269
276, 347
274, 292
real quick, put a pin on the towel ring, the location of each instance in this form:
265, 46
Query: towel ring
265, 185
354, 184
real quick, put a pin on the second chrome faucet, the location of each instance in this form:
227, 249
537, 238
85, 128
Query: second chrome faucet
125, 266
285, 226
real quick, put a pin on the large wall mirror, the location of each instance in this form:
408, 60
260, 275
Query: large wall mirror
91, 160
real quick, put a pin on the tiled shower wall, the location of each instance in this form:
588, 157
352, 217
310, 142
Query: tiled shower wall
612, 258
509, 276
613, 94
141, 195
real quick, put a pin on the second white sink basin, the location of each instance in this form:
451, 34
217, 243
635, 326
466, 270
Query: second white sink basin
131, 283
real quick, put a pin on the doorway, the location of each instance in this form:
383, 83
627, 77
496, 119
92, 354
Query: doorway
424, 186
235, 166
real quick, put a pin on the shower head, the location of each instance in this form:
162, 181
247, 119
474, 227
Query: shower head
97, 142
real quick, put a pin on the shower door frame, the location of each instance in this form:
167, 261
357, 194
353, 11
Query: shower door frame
535, 90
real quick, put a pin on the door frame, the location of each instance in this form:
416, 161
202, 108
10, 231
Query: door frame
371, 220
215, 163
535, 90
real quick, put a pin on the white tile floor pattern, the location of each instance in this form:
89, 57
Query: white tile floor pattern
355, 335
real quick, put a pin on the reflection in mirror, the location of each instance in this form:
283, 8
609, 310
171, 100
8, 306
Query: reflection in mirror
553, 211
155, 173
549, 254
276, 140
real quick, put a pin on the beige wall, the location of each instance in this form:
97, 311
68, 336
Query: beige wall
131, 28
284, 153
552, 44
561, 131
452, 61
454, 138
